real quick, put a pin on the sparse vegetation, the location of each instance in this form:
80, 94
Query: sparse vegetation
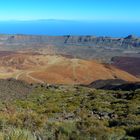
71, 113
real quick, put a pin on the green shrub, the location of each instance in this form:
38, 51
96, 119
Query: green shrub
17, 134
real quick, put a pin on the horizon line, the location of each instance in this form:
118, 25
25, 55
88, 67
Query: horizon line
135, 36
75, 20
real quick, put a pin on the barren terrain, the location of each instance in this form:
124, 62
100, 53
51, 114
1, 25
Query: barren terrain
57, 69
129, 64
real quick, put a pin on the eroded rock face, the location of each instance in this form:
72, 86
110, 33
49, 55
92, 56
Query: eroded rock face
130, 41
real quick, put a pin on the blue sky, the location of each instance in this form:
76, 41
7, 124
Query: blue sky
96, 10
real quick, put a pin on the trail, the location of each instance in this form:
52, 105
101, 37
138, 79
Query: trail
27, 74
74, 65
35, 79
18, 75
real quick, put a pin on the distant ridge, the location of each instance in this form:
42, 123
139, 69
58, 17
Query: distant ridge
101, 41
85, 47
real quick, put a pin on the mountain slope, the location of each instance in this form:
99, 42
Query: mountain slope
129, 64
56, 69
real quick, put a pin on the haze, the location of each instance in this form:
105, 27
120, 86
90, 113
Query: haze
96, 10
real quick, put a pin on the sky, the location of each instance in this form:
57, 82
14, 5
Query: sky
95, 10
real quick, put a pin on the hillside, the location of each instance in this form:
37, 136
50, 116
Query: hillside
12, 89
129, 64
58, 91
57, 69
68, 112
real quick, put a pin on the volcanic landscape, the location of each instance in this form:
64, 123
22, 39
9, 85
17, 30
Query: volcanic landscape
68, 59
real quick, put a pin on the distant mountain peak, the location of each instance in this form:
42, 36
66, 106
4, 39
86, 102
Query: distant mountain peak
131, 37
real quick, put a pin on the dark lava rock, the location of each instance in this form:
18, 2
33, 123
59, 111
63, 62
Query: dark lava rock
114, 84
99, 84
